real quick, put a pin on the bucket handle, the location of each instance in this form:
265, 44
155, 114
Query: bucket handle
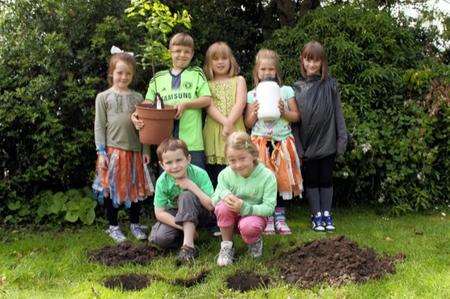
159, 99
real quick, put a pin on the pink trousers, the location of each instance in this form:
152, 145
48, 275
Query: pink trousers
250, 227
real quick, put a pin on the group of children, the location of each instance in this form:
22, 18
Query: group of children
216, 172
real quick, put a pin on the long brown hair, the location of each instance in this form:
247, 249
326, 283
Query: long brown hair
315, 51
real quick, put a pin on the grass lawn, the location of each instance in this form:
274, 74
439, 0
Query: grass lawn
53, 264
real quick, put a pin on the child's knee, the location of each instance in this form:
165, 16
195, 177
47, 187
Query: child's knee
222, 210
164, 239
186, 198
251, 226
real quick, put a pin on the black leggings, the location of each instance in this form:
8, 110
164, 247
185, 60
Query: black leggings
111, 212
318, 173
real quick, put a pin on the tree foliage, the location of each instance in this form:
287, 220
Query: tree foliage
54, 56
54, 59
396, 103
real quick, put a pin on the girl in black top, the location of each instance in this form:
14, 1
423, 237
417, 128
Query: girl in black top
320, 134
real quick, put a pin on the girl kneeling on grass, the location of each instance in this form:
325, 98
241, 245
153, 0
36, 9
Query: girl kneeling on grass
245, 195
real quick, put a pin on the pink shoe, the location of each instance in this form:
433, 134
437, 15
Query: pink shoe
270, 226
282, 228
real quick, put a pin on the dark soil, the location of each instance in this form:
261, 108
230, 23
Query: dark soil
335, 261
123, 253
127, 282
189, 282
245, 281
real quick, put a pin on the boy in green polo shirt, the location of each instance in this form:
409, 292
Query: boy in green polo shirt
186, 88
182, 199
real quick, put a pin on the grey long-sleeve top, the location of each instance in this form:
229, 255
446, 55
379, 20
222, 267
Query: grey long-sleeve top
321, 130
113, 126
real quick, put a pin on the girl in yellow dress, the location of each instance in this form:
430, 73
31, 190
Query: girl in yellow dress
225, 114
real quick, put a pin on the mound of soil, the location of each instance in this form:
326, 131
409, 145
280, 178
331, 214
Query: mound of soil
245, 281
335, 261
122, 253
196, 279
127, 282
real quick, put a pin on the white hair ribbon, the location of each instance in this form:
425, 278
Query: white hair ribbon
117, 50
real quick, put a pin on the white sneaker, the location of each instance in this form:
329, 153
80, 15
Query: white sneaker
138, 231
256, 248
116, 234
226, 254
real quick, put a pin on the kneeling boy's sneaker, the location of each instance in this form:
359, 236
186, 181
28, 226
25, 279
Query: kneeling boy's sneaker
256, 248
226, 253
115, 233
328, 221
187, 254
138, 231
317, 223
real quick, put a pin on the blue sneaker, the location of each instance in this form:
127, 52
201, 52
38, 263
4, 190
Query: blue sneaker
317, 224
328, 222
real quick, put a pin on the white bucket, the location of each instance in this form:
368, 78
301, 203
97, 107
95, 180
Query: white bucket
268, 94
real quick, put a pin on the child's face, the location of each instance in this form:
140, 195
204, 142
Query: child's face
122, 75
181, 56
267, 69
221, 65
312, 67
241, 161
175, 163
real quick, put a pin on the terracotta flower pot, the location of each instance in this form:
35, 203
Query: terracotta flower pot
158, 123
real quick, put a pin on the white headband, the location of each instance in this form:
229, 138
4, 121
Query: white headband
116, 50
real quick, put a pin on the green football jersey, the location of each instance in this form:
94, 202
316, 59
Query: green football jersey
190, 84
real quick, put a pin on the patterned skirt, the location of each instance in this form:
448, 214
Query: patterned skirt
125, 180
281, 157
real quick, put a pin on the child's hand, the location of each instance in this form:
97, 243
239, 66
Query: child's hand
281, 107
138, 124
254, 108
233, 202
146, 159
180, 109
228, 128
102, 161
184, 183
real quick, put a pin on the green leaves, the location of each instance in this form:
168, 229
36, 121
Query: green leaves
159, 22
72, 206
395, 101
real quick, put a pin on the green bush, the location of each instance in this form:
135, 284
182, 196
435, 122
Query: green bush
399, 156
54, 59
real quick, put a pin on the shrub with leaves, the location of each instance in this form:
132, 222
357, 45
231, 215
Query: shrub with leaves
54, 60
395, 100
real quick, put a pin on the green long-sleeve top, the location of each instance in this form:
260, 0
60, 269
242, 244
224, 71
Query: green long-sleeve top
113, 126
258, 191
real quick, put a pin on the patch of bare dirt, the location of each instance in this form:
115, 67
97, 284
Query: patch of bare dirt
246, 281
127, 282
335, 261
123, 253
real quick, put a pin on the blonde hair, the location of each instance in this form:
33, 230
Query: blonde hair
315, 51
182, 39
269, 55
216, 50
114, 59
242, 141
